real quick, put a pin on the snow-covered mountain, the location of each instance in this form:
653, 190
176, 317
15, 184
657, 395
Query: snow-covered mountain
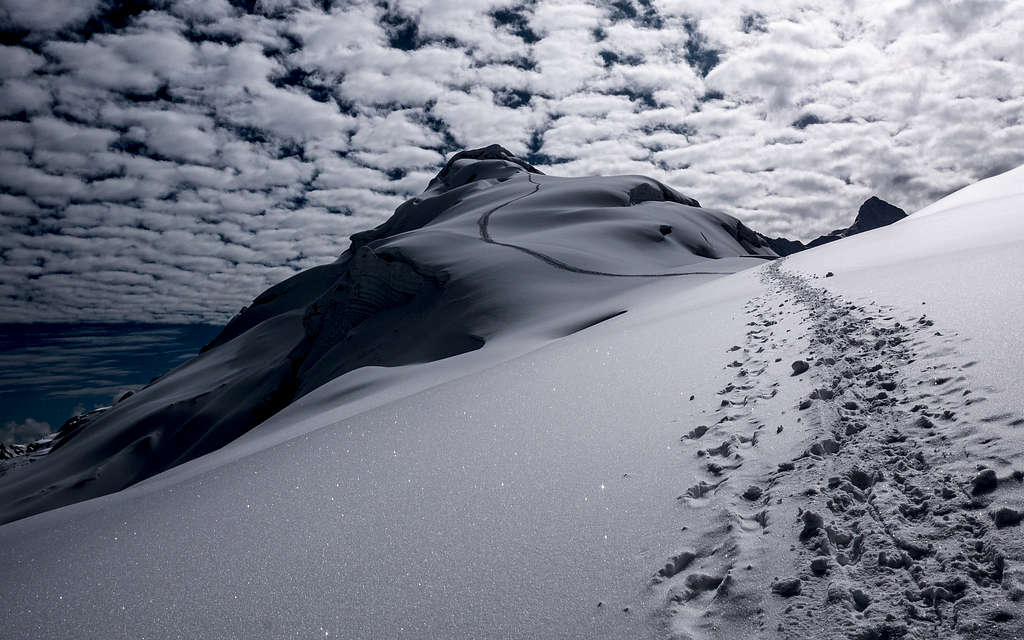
492, 247
746, 452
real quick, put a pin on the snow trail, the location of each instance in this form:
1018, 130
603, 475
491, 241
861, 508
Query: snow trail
881, 526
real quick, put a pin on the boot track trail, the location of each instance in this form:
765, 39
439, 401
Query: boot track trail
879, 519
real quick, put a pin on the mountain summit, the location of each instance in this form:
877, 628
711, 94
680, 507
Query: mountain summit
873, 214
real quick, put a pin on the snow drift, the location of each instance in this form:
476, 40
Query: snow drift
492, 245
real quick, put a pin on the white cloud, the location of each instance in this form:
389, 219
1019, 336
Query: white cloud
201, 143
23, 432
52, 134
46, 15
18, 62
19, 96
102, 66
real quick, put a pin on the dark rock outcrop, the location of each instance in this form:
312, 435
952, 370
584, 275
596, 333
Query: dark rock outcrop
784, 246
873, 214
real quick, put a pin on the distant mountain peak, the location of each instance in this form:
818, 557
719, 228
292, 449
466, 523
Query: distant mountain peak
874, 213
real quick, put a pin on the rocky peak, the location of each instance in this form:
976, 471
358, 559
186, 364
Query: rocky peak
875, 213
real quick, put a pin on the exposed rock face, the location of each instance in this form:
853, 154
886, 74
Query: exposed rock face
784, 246
873, 214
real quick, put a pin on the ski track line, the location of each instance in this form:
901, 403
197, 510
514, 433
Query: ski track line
485, 234
884, 532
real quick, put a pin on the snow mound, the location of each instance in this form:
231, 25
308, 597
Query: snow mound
491, 248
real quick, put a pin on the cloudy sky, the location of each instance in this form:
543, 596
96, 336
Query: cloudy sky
49, 372
168, 160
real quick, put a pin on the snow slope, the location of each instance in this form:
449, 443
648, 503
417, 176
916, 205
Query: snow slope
564, 487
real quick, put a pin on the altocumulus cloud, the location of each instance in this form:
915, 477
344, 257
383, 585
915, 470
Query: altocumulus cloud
166, 160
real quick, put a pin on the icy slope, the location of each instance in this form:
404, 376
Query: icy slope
491, 247
573, 489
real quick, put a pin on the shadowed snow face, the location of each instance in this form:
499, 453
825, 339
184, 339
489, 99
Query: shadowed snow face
146, 147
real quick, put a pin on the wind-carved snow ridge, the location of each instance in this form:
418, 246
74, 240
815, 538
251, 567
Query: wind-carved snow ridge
884, 527
492, 249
